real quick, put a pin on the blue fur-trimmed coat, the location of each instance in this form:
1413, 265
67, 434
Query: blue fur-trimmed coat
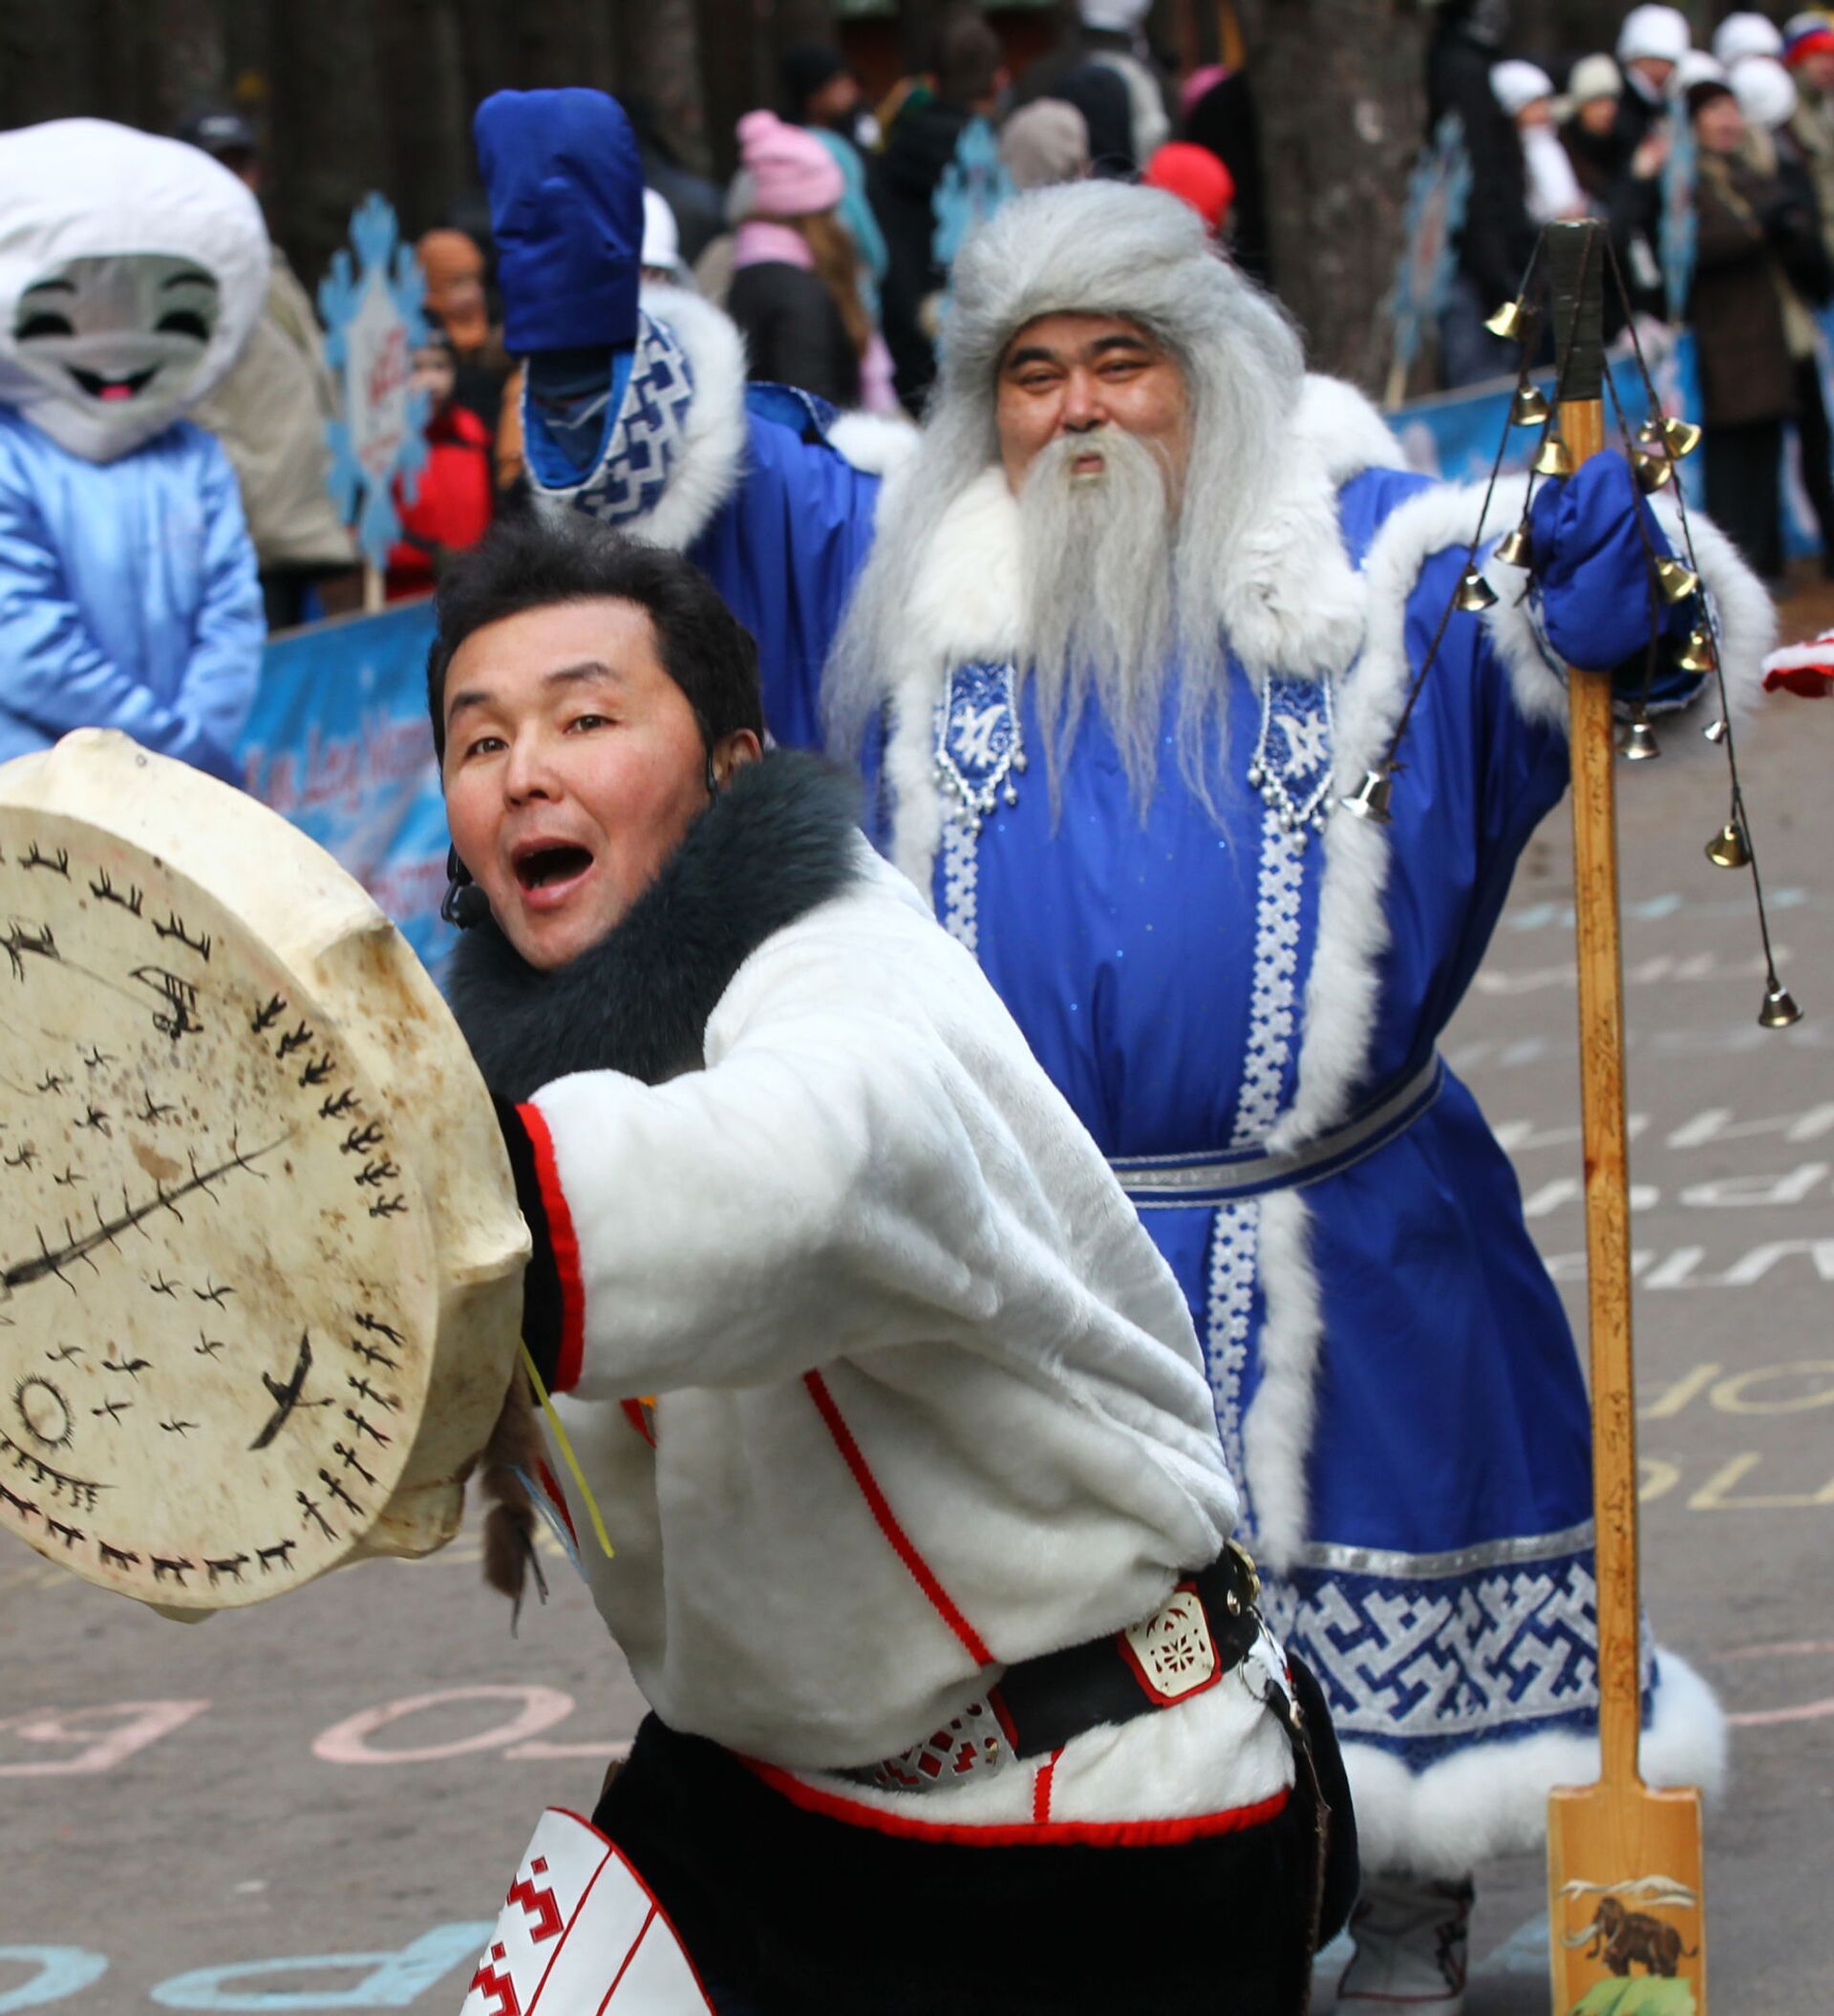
1395, 1382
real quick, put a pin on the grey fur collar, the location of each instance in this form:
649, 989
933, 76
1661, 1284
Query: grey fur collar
780, 838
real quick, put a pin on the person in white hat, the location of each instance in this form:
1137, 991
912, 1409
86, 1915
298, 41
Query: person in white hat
1740, 36
1587, 117
1652, 41
662, 265
1768, 100
1526, 92
1652, 45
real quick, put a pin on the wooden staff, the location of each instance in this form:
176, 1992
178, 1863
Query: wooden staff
1624, 1861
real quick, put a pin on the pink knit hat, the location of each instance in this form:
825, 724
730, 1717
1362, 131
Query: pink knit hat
793, 174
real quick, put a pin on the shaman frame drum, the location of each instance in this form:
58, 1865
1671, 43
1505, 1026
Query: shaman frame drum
259, 1255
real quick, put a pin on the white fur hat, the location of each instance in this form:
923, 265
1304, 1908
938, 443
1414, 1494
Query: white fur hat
1516, 85
1697, 67
1594, 76
1741, 35
1765, 91
1661, 32
1122, 15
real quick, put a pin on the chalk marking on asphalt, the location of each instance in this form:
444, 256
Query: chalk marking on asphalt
62, 1971
396, 1981
348, 1742
147, 1722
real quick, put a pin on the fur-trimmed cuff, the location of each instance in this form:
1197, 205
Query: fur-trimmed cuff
551, 1299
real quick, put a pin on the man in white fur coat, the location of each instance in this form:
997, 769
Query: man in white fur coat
1143, 606
894, 1413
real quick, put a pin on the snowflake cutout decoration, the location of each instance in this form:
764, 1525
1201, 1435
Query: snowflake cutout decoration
373, 322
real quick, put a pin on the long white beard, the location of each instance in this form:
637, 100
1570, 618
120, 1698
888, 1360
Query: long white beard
1096, 573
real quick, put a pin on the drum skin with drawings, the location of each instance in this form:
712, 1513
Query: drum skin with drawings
259, 1255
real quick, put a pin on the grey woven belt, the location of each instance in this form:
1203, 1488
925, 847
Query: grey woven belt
1205, 1180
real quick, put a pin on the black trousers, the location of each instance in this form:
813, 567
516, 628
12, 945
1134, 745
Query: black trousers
790, 1913
1745, 467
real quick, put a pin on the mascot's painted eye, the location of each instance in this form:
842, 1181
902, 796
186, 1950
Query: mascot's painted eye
41, 322
185, 322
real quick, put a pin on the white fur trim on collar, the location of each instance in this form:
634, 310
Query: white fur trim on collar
1351, 435
714, 437
875, 442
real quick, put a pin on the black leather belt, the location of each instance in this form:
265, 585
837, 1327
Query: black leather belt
1044, 1703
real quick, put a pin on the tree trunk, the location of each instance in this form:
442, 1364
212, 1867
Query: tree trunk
1340, 89
734, 67
330, 127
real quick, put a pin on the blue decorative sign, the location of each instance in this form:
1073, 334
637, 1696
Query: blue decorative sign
972, 185
373, 322
1437, 193
1679, 225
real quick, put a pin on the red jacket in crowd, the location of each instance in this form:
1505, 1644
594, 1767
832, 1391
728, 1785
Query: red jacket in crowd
452, 506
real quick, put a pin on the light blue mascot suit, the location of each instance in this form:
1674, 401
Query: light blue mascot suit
132, 270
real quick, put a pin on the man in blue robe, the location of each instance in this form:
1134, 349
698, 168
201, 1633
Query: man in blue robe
1112, 647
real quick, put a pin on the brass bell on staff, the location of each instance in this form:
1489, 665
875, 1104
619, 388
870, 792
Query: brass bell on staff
1698, 655
1555, 457
1651, 471
1779, 1008
1717, 732
1516, 549
1727, 848
1475, 593
1529, 407
1668, 435
1511, 322
1640, 745
1370, 800
1676, 579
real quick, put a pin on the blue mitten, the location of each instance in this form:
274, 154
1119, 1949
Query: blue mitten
565, 185
1593, 572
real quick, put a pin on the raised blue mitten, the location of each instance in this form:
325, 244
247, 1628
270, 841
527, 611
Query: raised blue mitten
1592, 567
565, 185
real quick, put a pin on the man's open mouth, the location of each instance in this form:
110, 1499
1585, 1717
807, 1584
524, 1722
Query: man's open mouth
98, 387
547, 868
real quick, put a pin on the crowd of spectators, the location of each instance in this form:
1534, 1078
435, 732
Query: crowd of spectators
1713, 170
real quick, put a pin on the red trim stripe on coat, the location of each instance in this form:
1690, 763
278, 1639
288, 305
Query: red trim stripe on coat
925, 1576
565, 1244
1049, 1833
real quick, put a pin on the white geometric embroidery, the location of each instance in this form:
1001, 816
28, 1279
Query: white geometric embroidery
1235, 1239
1292, 763
647, 440
1453, 1657
978, 751
961, 879
1296, 715
1276, 968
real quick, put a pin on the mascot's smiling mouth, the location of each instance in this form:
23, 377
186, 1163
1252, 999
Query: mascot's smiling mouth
98, 387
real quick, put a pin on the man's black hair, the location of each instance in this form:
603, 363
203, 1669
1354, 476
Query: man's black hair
532, 561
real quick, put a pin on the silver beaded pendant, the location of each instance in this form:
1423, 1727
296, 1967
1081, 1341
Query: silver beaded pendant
1291, 767
979, 750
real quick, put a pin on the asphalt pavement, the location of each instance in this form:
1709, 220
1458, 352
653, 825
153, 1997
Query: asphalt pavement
316, 1805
